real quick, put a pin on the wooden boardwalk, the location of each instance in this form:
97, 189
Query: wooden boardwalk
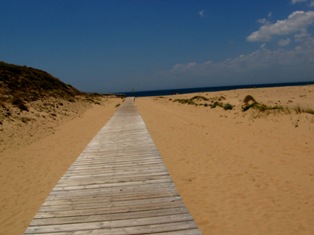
118, 185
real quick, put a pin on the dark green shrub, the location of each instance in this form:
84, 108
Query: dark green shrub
249, 99
228, 106
185, 101
199, 98
215, 104
247, 107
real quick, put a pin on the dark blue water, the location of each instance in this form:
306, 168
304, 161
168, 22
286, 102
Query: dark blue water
208, 89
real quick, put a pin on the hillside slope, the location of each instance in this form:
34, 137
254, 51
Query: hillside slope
33, 103
29, 84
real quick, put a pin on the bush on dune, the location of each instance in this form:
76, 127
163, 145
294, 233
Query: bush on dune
250, 102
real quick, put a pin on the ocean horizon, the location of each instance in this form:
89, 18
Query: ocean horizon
207, 89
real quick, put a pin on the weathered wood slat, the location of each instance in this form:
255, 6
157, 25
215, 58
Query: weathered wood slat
133, 203
113, 171
118, 185
109, 191
115, 175
182, 228
90, 181
108, 210
117, 197
111, 224
115, 184
108, 217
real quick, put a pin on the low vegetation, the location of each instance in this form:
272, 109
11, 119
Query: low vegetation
20, 85
251, 103
29, 94
185, 101
192, 101
28, 84
206, 102
299, 109
228, 106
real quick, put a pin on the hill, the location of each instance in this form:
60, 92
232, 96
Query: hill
30, 84
33, 103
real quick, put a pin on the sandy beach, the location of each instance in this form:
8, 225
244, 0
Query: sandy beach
35, 155
238, 172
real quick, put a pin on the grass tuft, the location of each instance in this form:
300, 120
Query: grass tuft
228, 106
185, 101
299, 109
197, 101
199, 98
215, 104
250, 102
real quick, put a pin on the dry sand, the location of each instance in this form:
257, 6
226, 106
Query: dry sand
240, 172
37, 152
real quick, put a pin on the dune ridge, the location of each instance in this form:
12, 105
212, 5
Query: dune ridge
44, 126
239, 172
29, 169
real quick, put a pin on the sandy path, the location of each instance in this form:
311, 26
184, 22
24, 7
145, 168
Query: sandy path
240, 173
29, 173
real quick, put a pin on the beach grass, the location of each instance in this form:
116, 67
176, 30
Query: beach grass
250, 102
199, 101
299, 109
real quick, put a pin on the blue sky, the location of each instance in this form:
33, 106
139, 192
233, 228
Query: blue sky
120, 45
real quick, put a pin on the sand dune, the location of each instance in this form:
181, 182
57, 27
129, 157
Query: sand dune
30, 166
238, 172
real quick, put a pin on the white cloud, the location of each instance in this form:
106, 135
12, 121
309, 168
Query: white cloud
261, 66
284, 42
263, 46
296, 22
297, 1
201, 13
301, 36
310, 2
264, 20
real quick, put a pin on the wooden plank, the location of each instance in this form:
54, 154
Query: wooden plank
100, 181
110, 224
130, 204
122, 196
114, 184
112, 173
107, 217
161, 220
112, 192
186, 226
118, 185
107, 210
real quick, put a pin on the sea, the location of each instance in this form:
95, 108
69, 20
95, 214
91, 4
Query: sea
208, 89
